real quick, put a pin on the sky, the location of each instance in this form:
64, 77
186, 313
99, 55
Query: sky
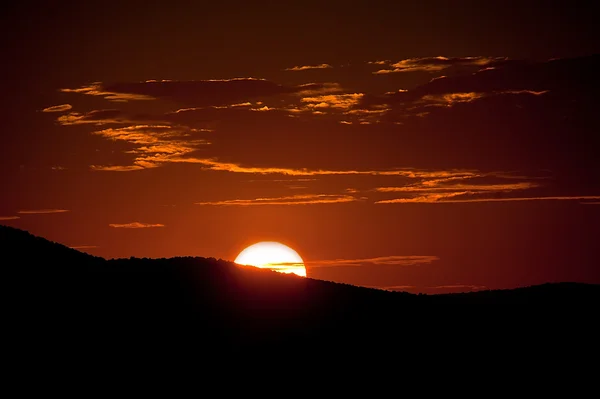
427, 146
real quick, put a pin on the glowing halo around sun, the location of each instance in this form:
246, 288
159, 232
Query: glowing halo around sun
272, 255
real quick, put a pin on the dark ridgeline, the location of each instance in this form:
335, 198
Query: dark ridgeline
65, 298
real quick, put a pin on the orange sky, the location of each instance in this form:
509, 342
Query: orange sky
396, 147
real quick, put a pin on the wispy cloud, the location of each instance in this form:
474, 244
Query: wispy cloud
213, 164
116, 168
136, 225
487, 188
84, 247
490, 187
379, 62
309, 199
98, 89
155, 144
42, 211
9, 217
306, 67
435, 64
337, 101
58, 108
199, 93
95, 117
447, 199
395, 260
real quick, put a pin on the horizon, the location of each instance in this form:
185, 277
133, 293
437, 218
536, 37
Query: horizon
423, 148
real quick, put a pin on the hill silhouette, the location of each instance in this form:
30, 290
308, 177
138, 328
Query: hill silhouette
221, 303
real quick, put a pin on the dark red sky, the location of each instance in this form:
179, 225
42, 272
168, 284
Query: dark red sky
436, 147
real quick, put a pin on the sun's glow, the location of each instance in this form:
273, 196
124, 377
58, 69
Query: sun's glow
272, 255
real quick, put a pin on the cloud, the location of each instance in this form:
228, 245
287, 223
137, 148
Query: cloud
198, 93
116, 168
380, 62
436, 64
58, 108
136, 225
96, 117
306, 67
394, 260
213, 164
431, 186
9, 217
99, 89
84, 247
591, 203
338, 101
448, 198
505, 78
154, 144
308, 199
482, 187
42, 211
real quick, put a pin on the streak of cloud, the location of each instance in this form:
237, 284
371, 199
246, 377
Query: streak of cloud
336, 101
447, 199
395, 260
425, 186
307, 67
136, 225
213, 164
436, 64
308, 199
199, 93
155, 144
9, 217
58, 108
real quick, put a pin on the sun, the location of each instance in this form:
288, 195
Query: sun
272, 255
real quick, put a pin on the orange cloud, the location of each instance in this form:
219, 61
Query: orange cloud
213, 164
84, 247
442, 199
97, 89
306, 67
42, 211
116, 168
450, 99
136, 225
429, 186
338, 101
396, 260
156, 144
436, 64
58, 108
198, 93
96, 117
9, 217
308, 199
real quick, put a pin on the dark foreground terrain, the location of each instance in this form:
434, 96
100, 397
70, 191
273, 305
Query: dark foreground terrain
62, 298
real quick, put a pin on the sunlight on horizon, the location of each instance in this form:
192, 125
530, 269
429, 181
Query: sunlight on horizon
274, 256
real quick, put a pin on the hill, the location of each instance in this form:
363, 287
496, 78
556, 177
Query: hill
224, 304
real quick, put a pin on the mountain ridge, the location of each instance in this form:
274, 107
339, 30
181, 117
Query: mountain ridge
64, 301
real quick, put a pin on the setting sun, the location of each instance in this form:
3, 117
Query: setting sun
272, 255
